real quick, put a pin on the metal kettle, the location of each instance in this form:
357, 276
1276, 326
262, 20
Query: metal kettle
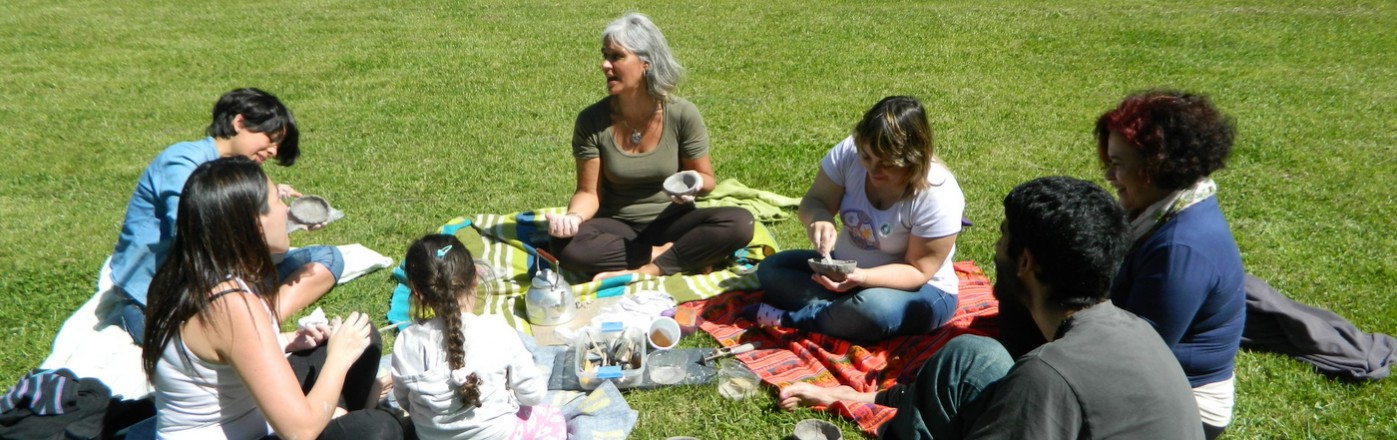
549, 300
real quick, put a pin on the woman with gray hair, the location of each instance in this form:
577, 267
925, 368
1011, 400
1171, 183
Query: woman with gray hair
621, 219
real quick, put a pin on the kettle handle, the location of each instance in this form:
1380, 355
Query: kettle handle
553, 261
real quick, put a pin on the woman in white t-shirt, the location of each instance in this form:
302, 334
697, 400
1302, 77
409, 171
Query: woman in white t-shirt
901, 210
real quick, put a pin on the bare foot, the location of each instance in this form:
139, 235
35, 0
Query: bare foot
648, 269
611, 274
803, 394
379, 390
657, 250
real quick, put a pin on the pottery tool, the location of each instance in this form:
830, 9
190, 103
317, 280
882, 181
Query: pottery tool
729, 351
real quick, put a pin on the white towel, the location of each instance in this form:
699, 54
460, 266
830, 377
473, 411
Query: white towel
91, 346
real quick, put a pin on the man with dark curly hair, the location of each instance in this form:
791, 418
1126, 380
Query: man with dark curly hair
1184, 272
1104, 373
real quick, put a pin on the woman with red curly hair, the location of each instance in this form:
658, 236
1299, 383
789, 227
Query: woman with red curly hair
1183, 273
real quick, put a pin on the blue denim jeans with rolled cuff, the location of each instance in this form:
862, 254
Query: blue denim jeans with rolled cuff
950, 392
859, 315
328, 256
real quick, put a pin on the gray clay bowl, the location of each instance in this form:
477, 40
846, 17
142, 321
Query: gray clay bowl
812, 429
310, 210
832, 266
682, 184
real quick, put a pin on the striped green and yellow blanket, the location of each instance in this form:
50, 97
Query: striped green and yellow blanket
503, 246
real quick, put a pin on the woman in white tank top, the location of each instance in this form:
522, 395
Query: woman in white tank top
212, 347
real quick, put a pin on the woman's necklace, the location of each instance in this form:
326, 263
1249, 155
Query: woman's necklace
636, 134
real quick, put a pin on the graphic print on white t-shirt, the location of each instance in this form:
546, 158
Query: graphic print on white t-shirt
860, 227
877, 237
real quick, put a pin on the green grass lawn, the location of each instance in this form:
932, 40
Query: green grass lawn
413, 113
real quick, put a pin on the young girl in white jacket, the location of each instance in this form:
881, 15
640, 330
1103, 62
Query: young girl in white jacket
462, 376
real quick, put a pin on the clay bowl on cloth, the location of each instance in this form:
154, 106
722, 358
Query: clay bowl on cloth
683, 183
831, 268
812, 429
309, 210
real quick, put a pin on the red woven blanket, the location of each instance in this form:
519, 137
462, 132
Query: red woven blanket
788, 356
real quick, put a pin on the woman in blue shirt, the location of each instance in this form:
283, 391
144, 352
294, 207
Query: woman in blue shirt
246, 122
1183, 273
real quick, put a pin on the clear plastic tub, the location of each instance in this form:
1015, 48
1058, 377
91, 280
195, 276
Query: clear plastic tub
610, 351
736, 382
667, 367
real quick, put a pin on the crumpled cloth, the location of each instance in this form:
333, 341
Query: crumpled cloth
766, 206
1335, 346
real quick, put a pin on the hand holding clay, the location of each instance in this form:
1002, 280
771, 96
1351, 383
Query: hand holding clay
563, 226
822, 234
835, 270
845, 283
310, 213
683, 187
286, 191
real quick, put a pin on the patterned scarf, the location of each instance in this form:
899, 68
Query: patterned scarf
1161, 212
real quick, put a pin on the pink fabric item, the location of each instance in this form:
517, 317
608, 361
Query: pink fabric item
540, 422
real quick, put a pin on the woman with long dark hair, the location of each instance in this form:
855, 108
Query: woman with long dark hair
212, 347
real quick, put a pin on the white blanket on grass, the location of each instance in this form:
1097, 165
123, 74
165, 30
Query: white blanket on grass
91, 346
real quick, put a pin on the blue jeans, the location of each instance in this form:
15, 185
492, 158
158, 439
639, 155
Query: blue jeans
947, 395
861, 315
133, 314
328, 256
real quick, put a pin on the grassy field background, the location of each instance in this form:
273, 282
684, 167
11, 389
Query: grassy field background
416, 112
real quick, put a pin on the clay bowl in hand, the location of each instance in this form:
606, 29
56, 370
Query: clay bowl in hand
309, 210
683, 184
831, 268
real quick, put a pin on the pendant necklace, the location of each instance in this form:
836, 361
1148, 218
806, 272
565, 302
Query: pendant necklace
636, 135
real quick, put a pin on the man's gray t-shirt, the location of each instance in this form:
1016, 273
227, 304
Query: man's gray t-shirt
1108, 376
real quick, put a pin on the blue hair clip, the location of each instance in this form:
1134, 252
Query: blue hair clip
442, 252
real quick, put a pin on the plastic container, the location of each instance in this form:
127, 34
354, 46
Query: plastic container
610, 351
736, 382
664, 333
668, 367
688, 320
